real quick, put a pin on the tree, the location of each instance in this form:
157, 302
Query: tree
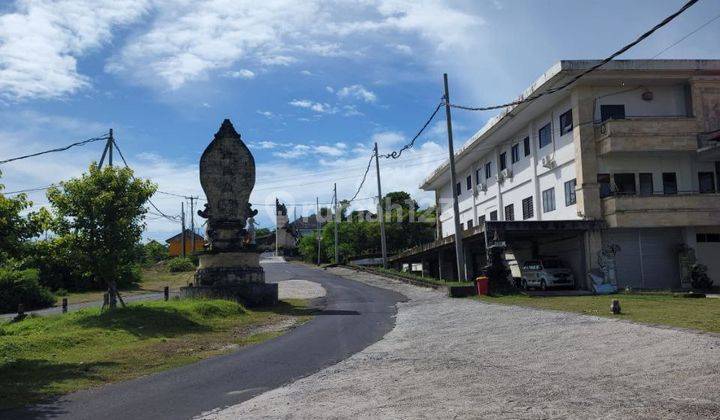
15, 228
154, 251
102, 216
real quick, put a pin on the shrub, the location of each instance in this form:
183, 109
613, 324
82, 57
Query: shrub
178, 264
22, 286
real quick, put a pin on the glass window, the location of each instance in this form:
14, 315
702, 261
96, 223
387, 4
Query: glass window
509, 213
544, 135
493, 215
477, 176
527, 208
706, 182
604, 185
503, 161
515, 153
488, 170
612, 112
708, 237
526, 146
624, 183
570, 197
566, 122
646, 183
548, 198
470, 224
468, 182
457, 189
669, 183
481, 220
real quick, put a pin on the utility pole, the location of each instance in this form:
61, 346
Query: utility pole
460, 257
192, 225
277, 228
383, 244
317, 227
182, 217
108, 150
336, 222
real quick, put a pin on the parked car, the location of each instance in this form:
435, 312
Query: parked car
546, 273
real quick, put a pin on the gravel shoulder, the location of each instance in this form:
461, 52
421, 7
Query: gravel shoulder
466, 359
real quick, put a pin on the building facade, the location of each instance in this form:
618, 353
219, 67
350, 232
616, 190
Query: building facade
631, 147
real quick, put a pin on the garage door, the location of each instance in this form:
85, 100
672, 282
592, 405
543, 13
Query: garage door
647, 257
708, 253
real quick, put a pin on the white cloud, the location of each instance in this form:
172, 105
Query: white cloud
241, 74
187, 40
322, 108
266, 114
329, 150
388, 139
306, 72
41, 42
357, 92
265, 144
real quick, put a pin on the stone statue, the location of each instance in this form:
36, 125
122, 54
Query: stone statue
230, 266
251, 229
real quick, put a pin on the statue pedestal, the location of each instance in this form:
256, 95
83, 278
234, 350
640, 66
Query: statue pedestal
235, 275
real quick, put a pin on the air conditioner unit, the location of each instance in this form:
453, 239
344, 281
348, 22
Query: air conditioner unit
500, 178
548, 161
480, 187
507, 173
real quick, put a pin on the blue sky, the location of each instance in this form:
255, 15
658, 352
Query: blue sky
309, 85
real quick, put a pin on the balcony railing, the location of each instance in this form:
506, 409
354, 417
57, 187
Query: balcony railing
709, 146
646, 134
659, 210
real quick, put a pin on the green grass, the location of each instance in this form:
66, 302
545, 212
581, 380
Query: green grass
42, 357
665, 309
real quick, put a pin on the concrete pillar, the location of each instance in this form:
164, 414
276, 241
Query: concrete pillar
586, 162
592, 240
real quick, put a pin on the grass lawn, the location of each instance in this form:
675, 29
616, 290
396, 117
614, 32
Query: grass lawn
42, 357
154, 280
697, 314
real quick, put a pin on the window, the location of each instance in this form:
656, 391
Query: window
548, 198
457, 189
669, 183
503, 161
462, 226
604, 185
481, 220
624, 183
488, 170
527, 208
706, 182
526, 146
544, 135
509, 213
468, 182
570, 197
477, 176
470, 224
646, 184
515, 153
708, 237
612, 112
566, 122
493, 215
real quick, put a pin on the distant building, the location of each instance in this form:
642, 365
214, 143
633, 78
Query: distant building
624, 160
175, 243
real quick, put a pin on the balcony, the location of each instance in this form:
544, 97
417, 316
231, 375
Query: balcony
709, 146
647, 134
662, 210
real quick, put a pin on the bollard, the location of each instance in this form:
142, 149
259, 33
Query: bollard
615, 306
166, 291
64, 305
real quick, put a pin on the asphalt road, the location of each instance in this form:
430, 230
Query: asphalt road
354, 315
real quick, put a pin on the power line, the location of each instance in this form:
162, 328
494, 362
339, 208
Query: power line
59, 149
686, 36
396, 154
586, 72
363, 179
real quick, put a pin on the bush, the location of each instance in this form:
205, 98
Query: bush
178, 264
22, 286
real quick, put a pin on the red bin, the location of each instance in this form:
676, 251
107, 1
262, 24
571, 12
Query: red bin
483, 285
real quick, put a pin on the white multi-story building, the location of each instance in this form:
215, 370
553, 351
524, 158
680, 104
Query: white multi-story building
627, 156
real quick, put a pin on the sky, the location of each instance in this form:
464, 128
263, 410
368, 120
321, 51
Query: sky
310, 85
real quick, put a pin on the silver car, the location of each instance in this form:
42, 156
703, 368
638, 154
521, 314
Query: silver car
546, 273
